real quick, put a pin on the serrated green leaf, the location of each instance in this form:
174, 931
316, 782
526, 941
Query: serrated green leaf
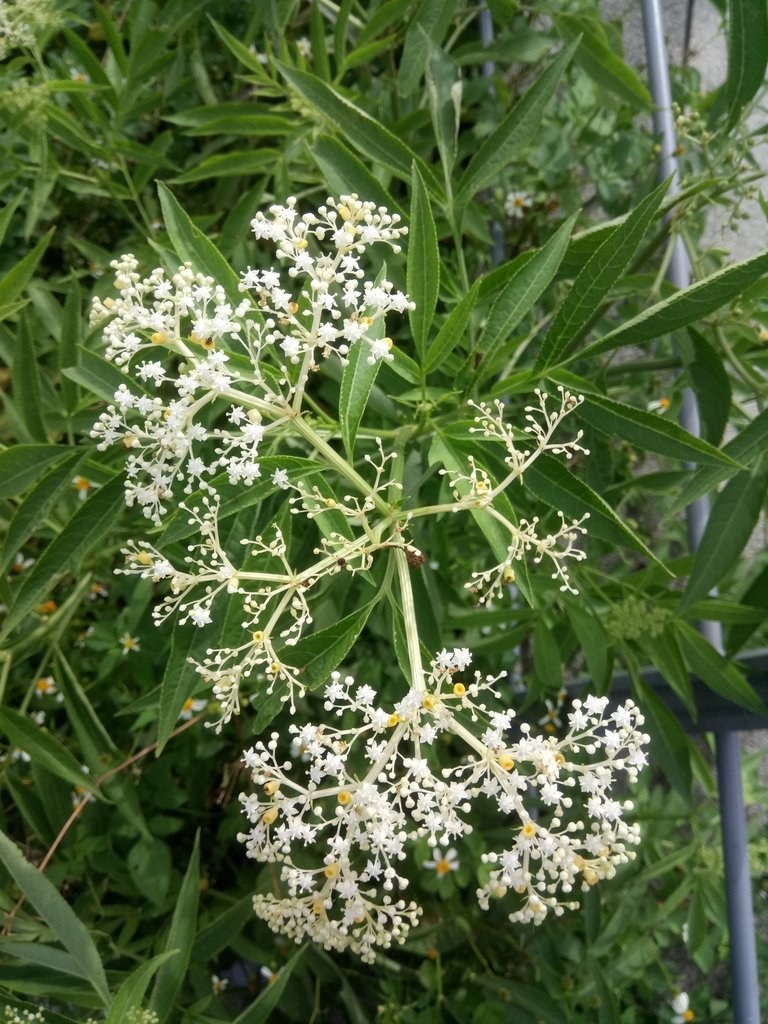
61, 919
43, 748
449, 336
601, 272
748, 446
90, 524
98, 376
361, 130
715, 671
131, 992
599, 60
346, 174
26, 383
517, 298
261, 1008
17, 279
685, 307
179, 679
554, 483
356, 383
423, 267
181, 936
431, 23
669, 744
747, 53
732, 520
37, 505
235, 163
193, 246
318, 654
515, 132
710, 382
647, 430
755, 594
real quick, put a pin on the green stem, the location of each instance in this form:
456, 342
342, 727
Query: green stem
409, 618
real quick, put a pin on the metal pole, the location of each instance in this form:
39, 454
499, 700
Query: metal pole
738, 889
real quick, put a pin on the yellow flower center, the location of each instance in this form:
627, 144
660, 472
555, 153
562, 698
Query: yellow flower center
428, 702
43, 685
529, 830
81, 483
159, 338
270, 815
459, 689
507, 762
187, 705
344, 797
331, 870
442, 867
393, 720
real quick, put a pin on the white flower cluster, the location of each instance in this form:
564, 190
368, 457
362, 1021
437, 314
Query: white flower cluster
361, 794
187, 330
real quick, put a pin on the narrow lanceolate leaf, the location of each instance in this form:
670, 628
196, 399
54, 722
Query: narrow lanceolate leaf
180, 937
58, 915
261, 1008
345, 173
98, 375
192, 245
514, 133
236, 163
715, 671
444, 90
423, 269
69, 339
734, 516
432, 21
552, 481
517, 298
318, 654
744, 449
747, 53
356, 383
669, 744
684, 307
233, 119
179, 679
451, 334
87, 528
711, 382
600, 61
17, 279
756, 594
43, 748
362, 131
131, 992
648, 430
602, 271
26, 383
21, 465
37, 505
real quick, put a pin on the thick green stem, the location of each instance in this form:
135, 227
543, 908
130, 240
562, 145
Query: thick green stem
409, 618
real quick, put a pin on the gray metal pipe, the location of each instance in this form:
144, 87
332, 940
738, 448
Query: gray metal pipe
738, 888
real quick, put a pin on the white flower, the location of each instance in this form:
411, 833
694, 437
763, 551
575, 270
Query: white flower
443, 863
680, 1006
20, 563
46, 687
192, 707
129, 643
304, 47
280, 478
82, 486
516, 203
218, 984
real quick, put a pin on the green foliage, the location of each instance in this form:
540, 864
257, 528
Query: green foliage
157, 130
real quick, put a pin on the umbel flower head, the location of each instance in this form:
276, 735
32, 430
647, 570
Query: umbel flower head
341, 822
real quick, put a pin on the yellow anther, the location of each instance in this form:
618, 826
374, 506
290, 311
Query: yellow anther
159, 338
393, 720
344, 212
389, 342
331, 870
508, 575
481, 487
368, 320
318, 907
344, 797
293, 308
459, 689
499, 892
257, 636
143, 558
520, 889
330, 503
529, 830
129, 440
208, 343
428, 702
271, 787
559, 757
507, 762
109, 302
301, 243
274, 668
270, 815
579, 863
591, 877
